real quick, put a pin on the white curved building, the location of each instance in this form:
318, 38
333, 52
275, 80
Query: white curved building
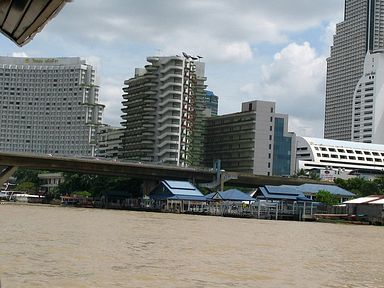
368, 101
316, 153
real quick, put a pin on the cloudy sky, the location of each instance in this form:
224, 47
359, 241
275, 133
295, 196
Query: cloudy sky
253, 49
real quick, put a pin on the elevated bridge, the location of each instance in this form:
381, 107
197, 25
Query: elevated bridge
9, 162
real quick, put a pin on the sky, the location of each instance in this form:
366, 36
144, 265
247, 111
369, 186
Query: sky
272, 50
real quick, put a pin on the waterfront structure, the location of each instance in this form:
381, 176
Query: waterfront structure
304, 192
48, 105
339, 156
369, 208
163, 112
50, 181
255, 140
368, 101
211, 103
361, 32
109, 142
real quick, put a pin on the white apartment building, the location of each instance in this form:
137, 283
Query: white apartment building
362, 31
48, 105
368, 101
163, 108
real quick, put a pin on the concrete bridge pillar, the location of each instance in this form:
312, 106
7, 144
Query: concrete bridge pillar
148, 186
5, 173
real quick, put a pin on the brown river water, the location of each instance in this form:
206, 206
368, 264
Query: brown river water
45, 246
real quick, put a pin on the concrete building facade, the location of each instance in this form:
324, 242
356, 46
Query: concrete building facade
109, 142
254, 140
163, 112
361, 32
48, 105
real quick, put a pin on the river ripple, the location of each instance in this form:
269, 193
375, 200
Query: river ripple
44, 246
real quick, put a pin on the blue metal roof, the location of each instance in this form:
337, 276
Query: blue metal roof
282, 193
231, 195
181, 188
177, 190
283, 189
333, 189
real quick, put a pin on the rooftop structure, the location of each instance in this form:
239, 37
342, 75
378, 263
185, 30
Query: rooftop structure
280, 193
361, 32
176, 190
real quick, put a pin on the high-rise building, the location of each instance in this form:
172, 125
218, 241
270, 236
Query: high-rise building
163, 112
109, 142
255, 140
211, 103
368, 101
48, 105
361, 32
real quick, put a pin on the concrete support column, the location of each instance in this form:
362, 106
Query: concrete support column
6, 173
148, 186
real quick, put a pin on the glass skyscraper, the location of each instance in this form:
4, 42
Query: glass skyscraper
361, 32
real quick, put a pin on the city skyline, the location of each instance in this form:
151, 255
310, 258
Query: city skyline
271, 51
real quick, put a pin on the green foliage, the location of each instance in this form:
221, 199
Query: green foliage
97, 184
362, 187
82, 193
326, 198
27, 175
27, 187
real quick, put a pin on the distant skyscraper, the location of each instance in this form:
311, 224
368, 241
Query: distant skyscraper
163, 112
211, 102
361, 32
48, 105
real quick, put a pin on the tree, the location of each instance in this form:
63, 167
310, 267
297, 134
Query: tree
29, 187
326, 198
27, 175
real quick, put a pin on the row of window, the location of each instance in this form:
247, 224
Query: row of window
349, 151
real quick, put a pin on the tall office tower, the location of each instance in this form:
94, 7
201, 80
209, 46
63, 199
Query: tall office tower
211, 102
48, 105
361, 32
255, 140
163, 112
368, 101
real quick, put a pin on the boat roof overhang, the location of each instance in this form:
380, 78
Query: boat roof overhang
21, 20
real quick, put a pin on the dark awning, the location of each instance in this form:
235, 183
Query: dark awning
20, 20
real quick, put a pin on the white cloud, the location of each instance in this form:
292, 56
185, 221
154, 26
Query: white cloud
19, 54
240, 51
111, 96
295, 81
